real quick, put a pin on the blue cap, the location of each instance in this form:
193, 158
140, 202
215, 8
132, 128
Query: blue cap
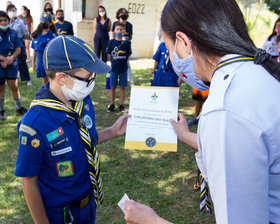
68, 52
46, 17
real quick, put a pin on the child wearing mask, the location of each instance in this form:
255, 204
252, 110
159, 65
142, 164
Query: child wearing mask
62, 26
41, 37
119, 50
10, 47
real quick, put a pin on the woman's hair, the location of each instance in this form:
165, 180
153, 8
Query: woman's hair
121, 10
215, 27
28, 16
101, 7
4, 14
45, 7
273, 31
40, 29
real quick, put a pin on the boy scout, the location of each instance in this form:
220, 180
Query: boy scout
57, 158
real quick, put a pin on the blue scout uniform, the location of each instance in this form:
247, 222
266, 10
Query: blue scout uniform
64, 29
120, 52
128, 29
51, 148
38, 44
9, 41
238, 140
164, 75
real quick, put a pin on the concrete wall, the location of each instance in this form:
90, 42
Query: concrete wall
143, 14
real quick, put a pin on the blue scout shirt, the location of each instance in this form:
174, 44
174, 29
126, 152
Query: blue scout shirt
9, 41
161, 56
51, 148
128, 29
18, 26
64, 29
40, 42
119, 51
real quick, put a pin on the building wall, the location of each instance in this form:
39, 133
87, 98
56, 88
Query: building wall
143, 14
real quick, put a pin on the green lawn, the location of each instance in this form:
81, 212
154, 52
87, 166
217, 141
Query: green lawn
160, 179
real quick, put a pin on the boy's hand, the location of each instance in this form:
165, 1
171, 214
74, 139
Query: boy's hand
119, 127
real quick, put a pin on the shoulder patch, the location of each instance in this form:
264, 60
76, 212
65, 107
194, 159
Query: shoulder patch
35, 143
26, 129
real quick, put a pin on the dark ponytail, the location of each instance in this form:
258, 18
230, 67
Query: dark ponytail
40, 29
215, 27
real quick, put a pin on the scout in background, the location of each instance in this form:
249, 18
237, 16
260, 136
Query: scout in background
57, 159
41, 37
163, 73
278, 48
62, 26
122, 16
10, 47
199, 97
119, 50
17, 25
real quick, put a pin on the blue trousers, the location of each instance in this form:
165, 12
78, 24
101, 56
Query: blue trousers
85, 215
22, 66
100, 46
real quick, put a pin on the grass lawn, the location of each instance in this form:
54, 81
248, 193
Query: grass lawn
160, 179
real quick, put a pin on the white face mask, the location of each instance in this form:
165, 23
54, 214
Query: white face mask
79, 91
12, 14
21, 11
102, 14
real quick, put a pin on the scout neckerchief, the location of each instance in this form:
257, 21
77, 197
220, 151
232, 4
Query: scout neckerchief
91, 152
205, 204
166, 61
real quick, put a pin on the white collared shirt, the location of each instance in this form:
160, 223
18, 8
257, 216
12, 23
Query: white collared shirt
239, 144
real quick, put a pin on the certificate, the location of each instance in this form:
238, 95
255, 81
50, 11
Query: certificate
149, 127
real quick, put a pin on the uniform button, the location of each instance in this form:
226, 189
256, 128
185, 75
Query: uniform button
226, 76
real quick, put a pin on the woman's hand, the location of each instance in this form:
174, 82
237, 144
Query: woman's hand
136, 213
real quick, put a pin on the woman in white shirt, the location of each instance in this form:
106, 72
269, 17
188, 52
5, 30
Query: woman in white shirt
238, 137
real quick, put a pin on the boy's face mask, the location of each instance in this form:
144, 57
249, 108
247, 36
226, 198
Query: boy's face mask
119, 35
79, 91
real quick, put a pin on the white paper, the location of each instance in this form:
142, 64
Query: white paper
122, 202
149, 127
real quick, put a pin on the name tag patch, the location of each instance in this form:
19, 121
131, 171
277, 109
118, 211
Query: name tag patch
55, 134
61, 151
58, 143
65, 169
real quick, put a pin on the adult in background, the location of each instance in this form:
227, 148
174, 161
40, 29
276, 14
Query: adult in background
10, 47
101, 26
238, 137
270, 44
122, 16
17, 25
62, 26
49, 9
28, 22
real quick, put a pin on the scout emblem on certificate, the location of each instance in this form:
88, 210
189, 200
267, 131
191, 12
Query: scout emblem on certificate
149, 127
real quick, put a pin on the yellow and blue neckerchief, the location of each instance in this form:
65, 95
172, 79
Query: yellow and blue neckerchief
231, 61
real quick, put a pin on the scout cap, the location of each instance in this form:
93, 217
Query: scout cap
68, 52
46, 17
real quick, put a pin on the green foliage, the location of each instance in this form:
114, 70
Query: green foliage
161, 179
274, 6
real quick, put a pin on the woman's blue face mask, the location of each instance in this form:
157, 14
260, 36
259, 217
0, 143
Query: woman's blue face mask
181, 66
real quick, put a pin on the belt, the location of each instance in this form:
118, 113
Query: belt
81, 203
